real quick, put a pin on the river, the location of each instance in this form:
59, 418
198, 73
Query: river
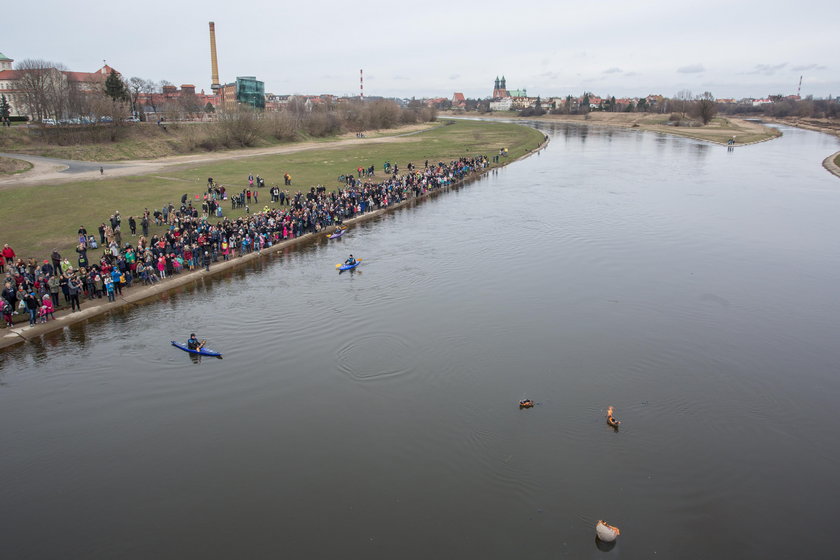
374, 414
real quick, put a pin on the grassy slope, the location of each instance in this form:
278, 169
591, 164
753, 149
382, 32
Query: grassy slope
37, 219
136, 141
145, 141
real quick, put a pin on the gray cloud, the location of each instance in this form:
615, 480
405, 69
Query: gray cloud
612, 70
767, 69
454, 76
399, 78
691, 69
803, 67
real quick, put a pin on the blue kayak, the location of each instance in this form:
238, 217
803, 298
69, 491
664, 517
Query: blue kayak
200, 352
350, 266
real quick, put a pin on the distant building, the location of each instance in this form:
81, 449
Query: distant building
436, 102
250, 91
499, 89
458, 100
274, 102
505, 104
174, 103
11, 87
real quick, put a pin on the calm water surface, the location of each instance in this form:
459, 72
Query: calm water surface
374, 415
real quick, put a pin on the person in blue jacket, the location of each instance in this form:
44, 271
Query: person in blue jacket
194, 344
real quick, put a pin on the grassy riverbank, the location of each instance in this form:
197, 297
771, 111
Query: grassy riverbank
719, 130
38, 219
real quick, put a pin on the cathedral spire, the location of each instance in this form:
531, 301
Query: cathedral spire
497, 83
503, 83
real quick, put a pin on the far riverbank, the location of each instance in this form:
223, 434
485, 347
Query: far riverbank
719, 131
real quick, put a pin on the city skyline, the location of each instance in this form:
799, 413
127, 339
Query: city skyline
552, 49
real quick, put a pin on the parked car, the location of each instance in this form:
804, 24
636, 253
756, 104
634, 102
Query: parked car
106, 119
132, 119
48, 122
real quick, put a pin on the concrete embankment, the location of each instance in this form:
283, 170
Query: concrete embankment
148, 294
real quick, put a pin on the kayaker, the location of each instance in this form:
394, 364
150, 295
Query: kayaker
350, 261
194, 344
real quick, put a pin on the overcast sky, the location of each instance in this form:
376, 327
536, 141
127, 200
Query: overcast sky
732, 48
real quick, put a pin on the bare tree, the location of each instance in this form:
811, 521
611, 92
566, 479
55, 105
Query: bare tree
135, 88
704, 107
149, 88
44, 87
682, 100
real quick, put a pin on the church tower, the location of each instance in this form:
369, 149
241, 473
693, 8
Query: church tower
499, 90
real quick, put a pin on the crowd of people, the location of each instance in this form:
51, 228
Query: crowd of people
191, 239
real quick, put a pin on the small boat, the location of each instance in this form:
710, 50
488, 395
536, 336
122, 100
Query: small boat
336, 234
527, 403
342, 267
200, 351
606, 533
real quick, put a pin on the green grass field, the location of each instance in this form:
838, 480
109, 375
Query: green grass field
37, 219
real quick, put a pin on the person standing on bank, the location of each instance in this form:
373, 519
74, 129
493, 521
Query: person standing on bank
74, 287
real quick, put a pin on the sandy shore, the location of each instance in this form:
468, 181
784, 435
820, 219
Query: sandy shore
830, 166
148, 294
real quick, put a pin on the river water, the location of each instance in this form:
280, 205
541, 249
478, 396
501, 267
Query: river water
374, 414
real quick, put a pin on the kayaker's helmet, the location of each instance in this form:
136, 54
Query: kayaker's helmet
192, 335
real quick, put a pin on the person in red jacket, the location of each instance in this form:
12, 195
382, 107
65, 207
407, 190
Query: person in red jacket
8, 254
